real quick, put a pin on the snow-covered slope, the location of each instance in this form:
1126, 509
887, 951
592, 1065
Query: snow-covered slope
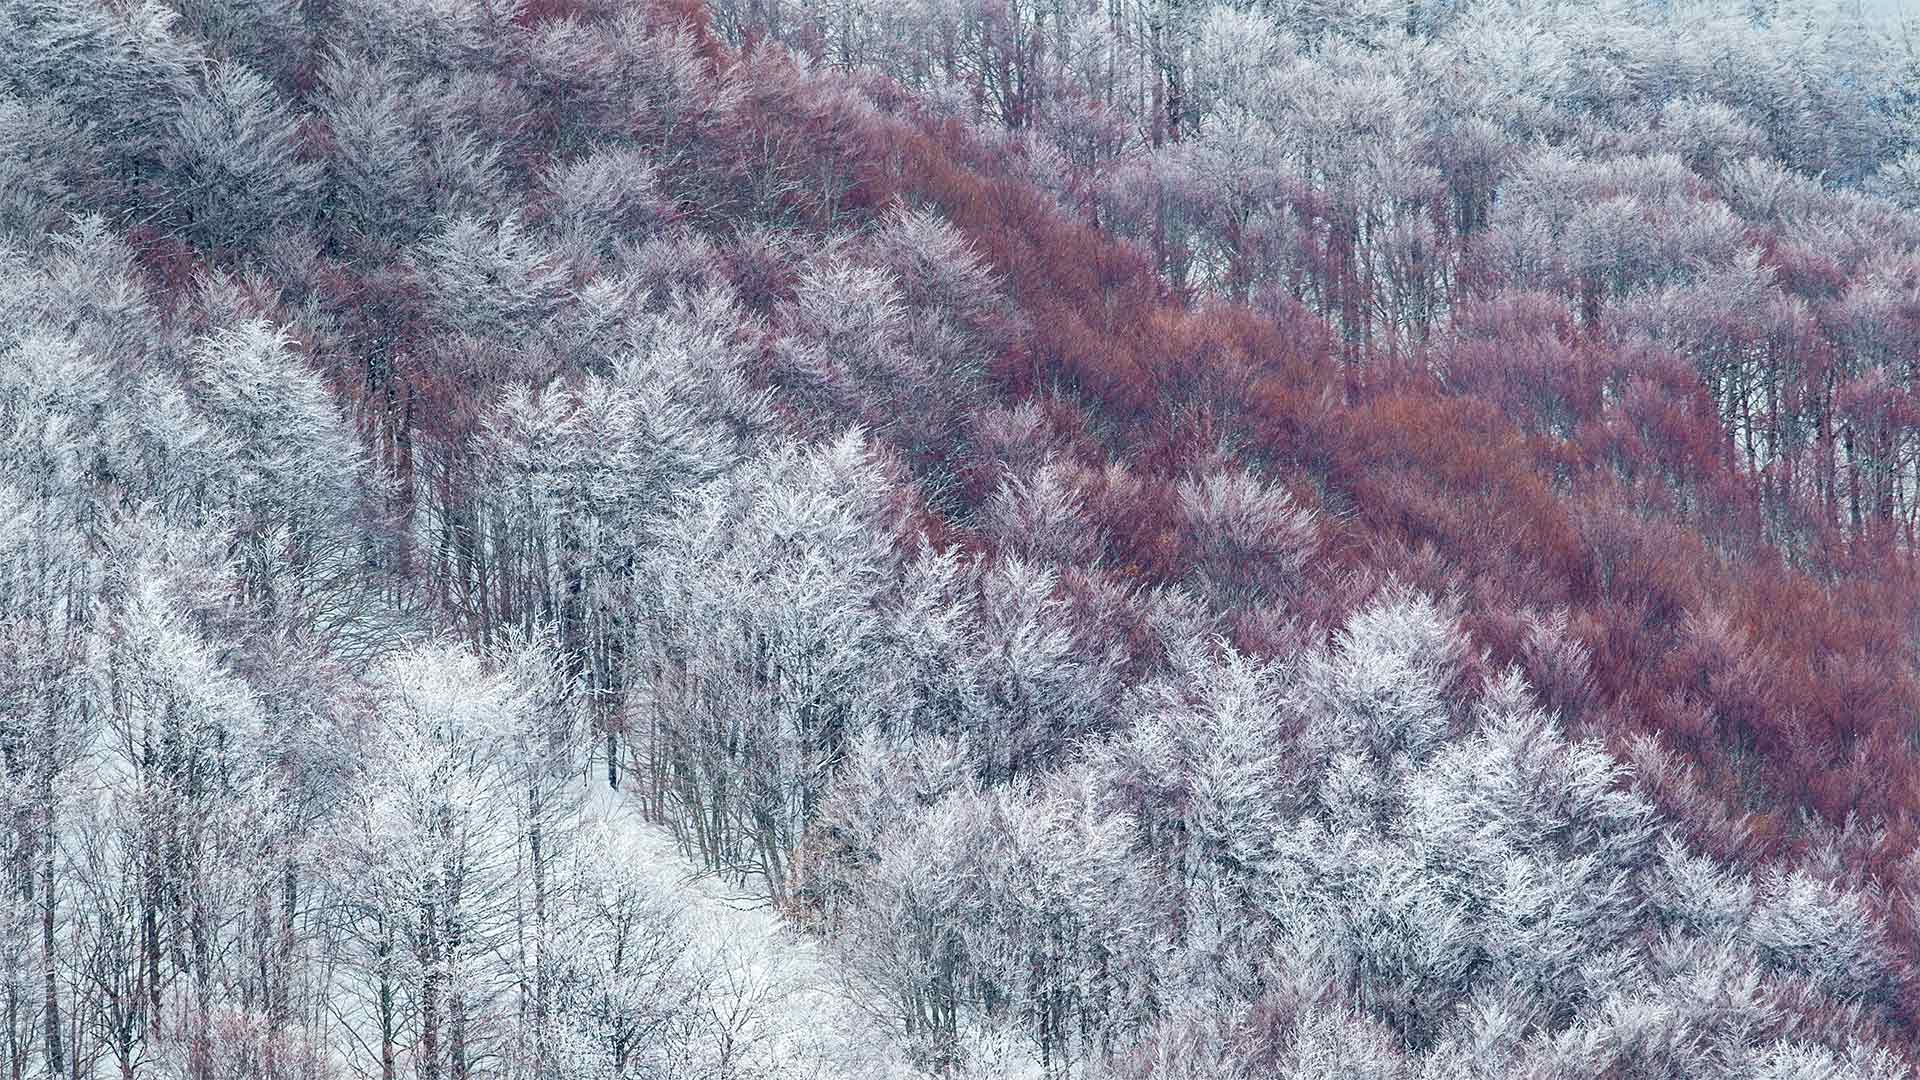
772, 1007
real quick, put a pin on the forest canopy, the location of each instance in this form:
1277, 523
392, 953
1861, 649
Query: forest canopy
1097, 539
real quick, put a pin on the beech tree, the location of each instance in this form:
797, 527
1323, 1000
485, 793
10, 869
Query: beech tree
766, 590
188, 735
490, 279
233, 165
467, 785
610, 194
51, 164
294, 465
267, 34
581, 484
628, 988
401, 154
119, 67
1247, 538
1042, 689
1041, 517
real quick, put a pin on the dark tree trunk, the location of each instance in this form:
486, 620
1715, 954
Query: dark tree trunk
56, 1060
536, 844
430, 986
383, 960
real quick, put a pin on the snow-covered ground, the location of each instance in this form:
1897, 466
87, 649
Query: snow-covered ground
777, 1010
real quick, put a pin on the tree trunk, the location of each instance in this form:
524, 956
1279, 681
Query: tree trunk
457, 1066
56, 1062
19, 884
16, 1061
1853, 478
383, 961
430, 980
536, 845
280, 1009
150, 950
453, 942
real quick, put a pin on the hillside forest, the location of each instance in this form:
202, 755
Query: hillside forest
869, 539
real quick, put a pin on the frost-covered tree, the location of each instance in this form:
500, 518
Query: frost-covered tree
626, 979
1042, 690
51, 164
120, 68
196, 820
293, 470
1002, 907
610, 194
401, 153
234, 171
1248, 540
1041, 517
269, 35
1380, 697
582, 481
750, 685
490, 279
1534, 834
457, 782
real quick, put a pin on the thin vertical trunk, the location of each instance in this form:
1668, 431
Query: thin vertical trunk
16, 1061
1884, 474
536, 843
20, 873
199, 1062
1829, 464
281, 1009
56, 1060
383, 961
430, 985
457, 1066
1176, 101
1157, 126
403, 445
453, 943
1777, 471
150, 949
1746, 427
1853, 478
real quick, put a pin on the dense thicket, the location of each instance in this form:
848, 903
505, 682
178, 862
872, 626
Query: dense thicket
1260, 540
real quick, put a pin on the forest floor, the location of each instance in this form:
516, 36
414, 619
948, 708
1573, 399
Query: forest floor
774, 1006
